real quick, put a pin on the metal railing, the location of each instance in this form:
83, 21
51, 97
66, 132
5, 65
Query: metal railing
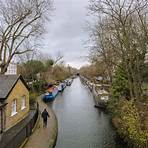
22, 134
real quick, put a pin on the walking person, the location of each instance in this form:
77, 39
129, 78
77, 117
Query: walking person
45, 116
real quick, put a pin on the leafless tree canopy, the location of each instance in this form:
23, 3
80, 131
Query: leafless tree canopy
121, 36
21, 23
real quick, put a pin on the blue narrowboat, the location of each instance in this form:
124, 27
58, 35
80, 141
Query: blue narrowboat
48, 97
50, 94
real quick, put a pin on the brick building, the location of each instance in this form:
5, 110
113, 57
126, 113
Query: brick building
14, 101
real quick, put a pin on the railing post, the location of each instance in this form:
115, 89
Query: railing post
37, 106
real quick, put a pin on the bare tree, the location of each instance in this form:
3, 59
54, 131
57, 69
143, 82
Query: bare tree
122, 29
21, 21
58, 59
102, 51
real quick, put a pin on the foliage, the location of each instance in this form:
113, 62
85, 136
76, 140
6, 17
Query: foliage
60, 72
33, 97
119, 87
145, 73
31, 68
128, 120
89, 71
97, 68
49, 63
120, 35
38, 86
129, 125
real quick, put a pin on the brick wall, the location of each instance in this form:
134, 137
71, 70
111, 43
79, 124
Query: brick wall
17, 93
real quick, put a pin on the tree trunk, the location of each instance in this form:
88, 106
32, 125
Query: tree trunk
3, 69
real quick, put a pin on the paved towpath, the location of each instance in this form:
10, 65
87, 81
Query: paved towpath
43, 137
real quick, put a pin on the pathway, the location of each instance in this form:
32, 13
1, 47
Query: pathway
43, 137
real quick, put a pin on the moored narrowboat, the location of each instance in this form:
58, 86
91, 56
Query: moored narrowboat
102, 98
69, 82
51, 93
62, 86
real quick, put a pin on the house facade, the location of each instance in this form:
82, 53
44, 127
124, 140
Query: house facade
14, 100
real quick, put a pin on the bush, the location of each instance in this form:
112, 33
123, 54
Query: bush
126, 116
38, 86
33, 97
129, 126
120, 84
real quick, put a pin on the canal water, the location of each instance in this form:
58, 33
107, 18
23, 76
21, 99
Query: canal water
80, 124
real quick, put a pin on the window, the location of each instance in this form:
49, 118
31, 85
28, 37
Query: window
23, 102
13, 107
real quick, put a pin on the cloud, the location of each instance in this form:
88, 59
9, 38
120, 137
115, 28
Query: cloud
65, 32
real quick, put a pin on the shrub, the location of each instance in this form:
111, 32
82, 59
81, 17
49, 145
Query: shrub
38, 86
33, 97
120, 84
129, 126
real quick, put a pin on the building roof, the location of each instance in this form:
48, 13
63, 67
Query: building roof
7, 83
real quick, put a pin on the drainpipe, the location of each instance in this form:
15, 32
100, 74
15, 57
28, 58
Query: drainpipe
0, 65
3, 119
1, 130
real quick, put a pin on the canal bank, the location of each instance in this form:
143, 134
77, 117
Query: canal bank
130, 132
44, 137
80, 124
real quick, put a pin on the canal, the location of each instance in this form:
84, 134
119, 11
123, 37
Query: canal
80, 124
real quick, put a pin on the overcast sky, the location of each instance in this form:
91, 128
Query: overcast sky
65, 32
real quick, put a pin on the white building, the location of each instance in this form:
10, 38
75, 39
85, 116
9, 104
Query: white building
12, 69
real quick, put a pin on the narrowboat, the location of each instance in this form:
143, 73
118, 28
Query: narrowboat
51, 93
102, 98
69, 82
61, 86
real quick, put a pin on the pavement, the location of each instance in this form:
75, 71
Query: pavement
44, 137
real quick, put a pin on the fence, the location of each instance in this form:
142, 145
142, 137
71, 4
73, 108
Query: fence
25, 131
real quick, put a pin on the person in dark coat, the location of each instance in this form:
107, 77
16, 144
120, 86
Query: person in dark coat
45, 116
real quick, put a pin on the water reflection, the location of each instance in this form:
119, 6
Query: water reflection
80, 124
